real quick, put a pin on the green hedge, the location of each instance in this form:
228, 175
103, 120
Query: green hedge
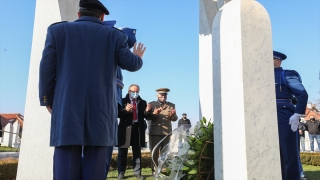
8, 168
310, 159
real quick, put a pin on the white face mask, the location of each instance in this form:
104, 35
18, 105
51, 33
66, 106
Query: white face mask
134, 95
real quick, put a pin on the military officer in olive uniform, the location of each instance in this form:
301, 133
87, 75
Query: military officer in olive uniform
160, 113
289, 84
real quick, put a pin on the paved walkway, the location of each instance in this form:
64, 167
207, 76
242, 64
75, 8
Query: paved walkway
14, 155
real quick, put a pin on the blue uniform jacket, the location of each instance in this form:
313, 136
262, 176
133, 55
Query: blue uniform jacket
119, 85
294, 87
77, 78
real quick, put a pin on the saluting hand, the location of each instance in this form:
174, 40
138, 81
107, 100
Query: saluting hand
139, 51
128, 107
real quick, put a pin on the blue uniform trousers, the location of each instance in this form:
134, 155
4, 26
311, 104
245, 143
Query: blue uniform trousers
109, 157
288, 146
68, 163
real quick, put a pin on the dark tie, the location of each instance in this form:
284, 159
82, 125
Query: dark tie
134, 109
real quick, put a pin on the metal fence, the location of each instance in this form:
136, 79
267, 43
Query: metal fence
19, 137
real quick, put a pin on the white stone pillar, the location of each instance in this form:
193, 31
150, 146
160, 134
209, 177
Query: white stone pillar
207, 11
36, 157
246, 144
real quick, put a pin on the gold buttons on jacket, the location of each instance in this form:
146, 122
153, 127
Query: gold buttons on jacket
44, 99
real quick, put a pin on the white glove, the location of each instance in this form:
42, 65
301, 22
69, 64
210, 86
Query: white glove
294, 121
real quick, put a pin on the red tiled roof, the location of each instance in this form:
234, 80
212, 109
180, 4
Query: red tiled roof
315, 114
9, 116
5, 118
307, 111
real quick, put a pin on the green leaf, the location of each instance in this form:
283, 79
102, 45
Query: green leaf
185, 168
193, 171
210, 125
191, 152
198, 142
191, 162
168, 170
204, 120
198, 147
204, 131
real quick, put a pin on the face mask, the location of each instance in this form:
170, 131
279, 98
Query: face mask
134, 95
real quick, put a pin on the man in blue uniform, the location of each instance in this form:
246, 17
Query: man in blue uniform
77, 85
138, 128
288, 84
131, 34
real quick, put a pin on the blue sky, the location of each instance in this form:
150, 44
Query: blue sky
169, 29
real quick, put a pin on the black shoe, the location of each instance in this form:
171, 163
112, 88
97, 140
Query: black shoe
121, 176
139, 176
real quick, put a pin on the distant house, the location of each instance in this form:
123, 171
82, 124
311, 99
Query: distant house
312, 110
10, 129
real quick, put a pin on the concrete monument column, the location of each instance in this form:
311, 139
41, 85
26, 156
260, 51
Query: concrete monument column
246, 144
207, 11
36, 157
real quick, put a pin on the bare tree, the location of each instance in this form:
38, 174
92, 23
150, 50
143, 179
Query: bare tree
316, 102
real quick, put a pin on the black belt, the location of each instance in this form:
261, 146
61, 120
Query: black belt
288, 101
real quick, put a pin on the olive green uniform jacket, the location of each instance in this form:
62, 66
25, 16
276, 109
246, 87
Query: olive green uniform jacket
160, 124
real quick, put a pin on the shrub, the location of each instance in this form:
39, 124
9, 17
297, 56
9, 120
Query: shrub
8, 168
201, 146
310, 158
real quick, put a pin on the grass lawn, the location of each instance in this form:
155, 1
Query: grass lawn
146, 172
7, 149
311, 172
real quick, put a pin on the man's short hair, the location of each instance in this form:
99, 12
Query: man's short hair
86, 12
134, 85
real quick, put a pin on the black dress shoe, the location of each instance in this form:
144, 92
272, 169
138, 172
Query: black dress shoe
139, 176
121, 176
